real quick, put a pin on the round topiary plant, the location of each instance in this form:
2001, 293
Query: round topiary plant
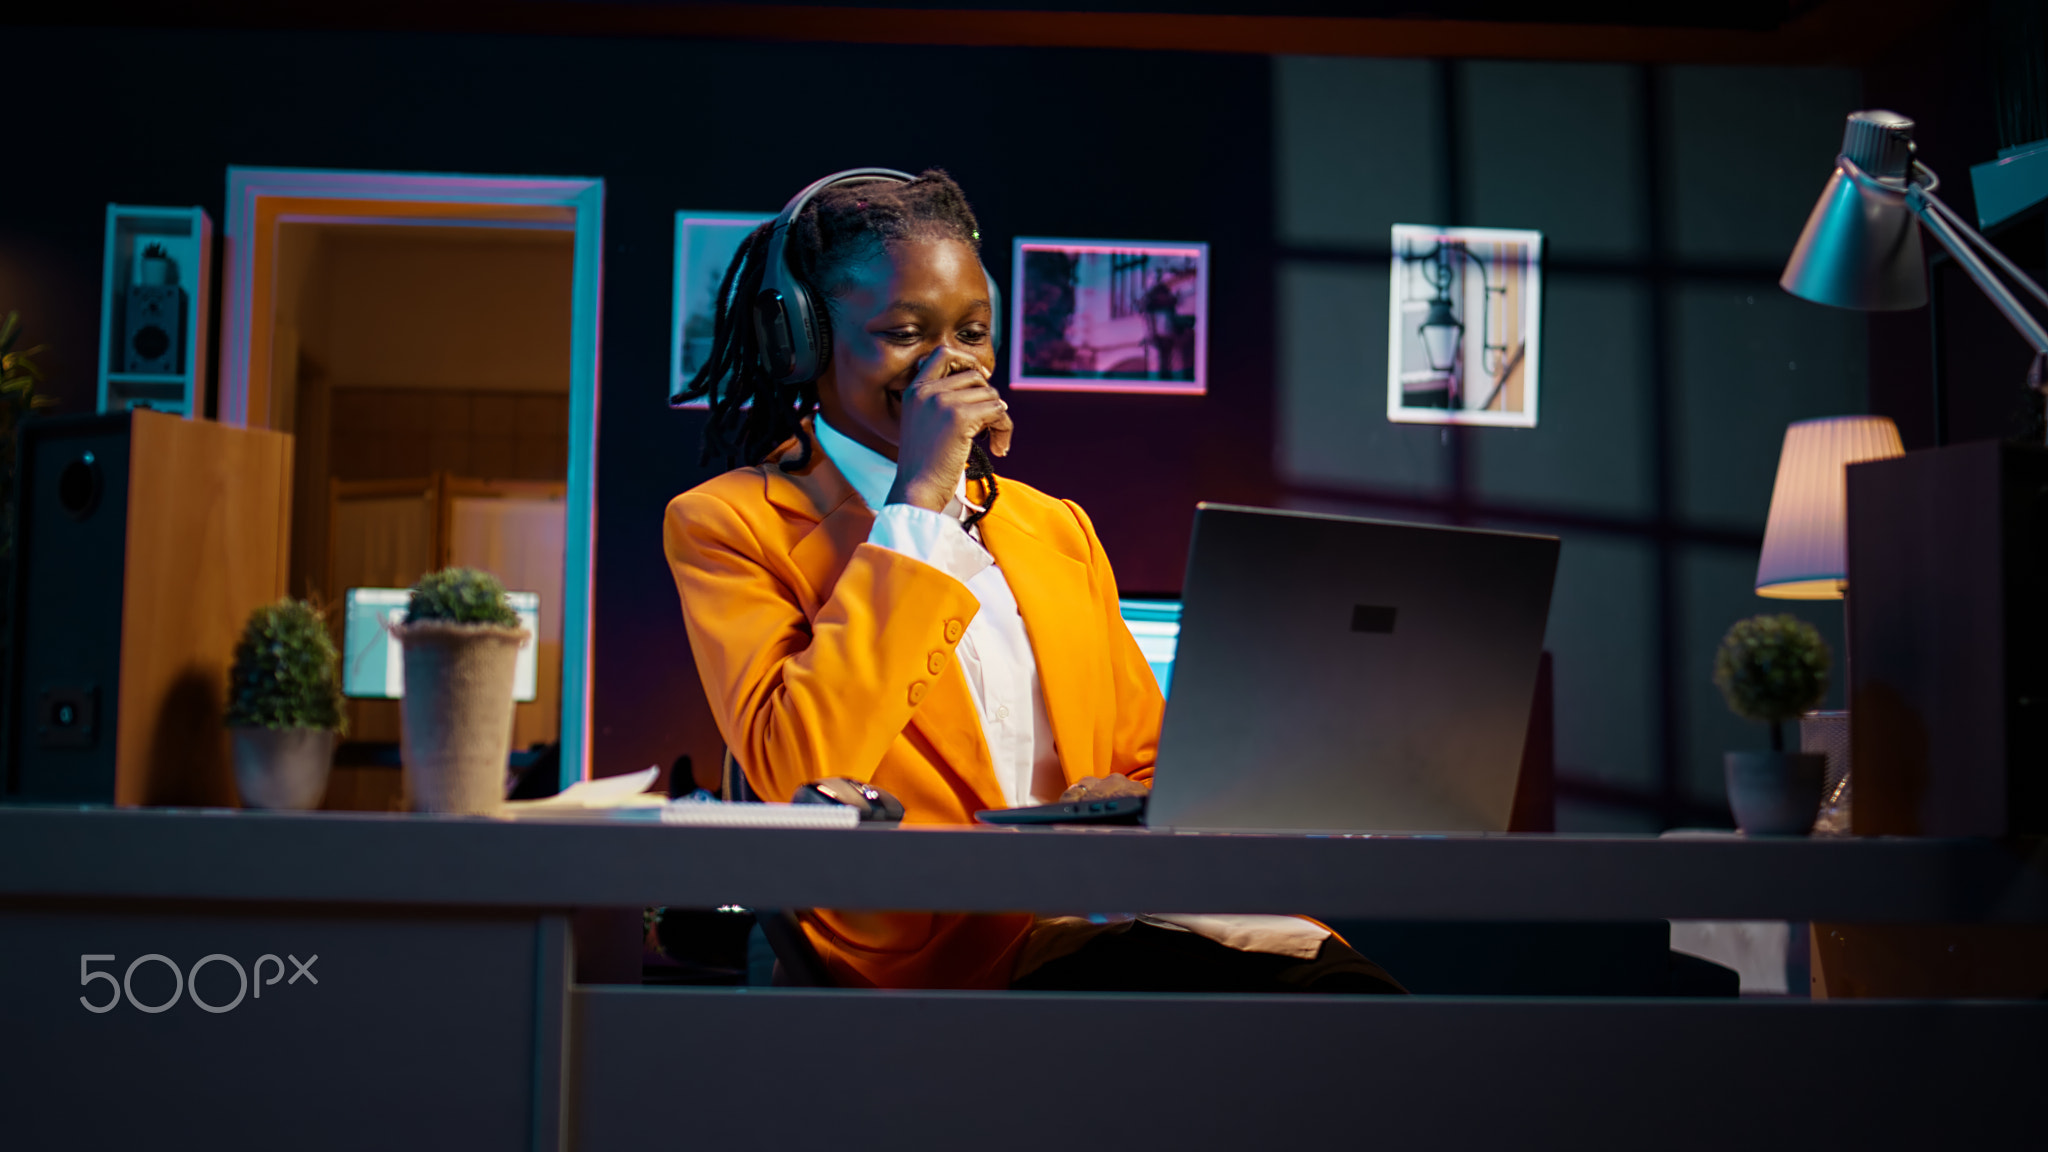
462, 642
1770, 669
286, 672
460, 596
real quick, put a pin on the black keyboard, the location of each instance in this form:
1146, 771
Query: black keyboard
1117, 810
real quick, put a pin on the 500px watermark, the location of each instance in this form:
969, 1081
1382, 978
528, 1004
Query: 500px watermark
187, 980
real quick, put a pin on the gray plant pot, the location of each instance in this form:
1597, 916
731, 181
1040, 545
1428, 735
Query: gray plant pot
282, 767
456, 735
1775, 793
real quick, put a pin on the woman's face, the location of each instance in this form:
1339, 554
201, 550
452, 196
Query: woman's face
912, 299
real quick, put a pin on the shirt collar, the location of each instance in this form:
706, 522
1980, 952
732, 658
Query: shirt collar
871, 473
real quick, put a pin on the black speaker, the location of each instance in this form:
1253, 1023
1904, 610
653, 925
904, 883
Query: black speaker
70, 560
155, 321
1948, 642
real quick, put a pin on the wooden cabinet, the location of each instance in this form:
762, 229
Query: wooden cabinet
145, 542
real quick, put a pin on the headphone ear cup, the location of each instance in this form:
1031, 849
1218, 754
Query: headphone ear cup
995, 311
788, 333
819, 333
773, 333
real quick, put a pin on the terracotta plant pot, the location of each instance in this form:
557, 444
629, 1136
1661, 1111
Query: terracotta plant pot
1775, 793
456, 738
282, 767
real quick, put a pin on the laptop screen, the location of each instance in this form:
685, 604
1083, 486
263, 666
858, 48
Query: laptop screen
371, 665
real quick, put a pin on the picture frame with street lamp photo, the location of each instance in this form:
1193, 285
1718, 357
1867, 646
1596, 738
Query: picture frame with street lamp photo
1109, 316
1464, 322
705, 245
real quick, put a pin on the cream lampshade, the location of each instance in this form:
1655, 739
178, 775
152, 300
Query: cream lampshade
1806, 541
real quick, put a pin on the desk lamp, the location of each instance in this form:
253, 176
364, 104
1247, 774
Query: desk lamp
1943, 657
1860, 248
1805, 554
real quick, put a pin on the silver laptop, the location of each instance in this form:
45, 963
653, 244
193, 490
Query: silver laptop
1338, 674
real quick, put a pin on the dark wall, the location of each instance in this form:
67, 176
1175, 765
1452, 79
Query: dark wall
1671, 361
1046, 142
1973, 389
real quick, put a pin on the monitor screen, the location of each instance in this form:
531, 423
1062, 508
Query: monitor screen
1156, 626
371, 667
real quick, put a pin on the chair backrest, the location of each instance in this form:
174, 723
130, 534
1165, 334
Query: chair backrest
732, 782
797, 963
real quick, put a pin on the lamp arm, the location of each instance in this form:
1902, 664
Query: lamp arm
1956, 238
2003, 261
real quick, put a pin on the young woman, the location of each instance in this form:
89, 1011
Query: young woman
864, 599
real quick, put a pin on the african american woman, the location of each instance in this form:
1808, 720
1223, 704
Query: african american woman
864, 599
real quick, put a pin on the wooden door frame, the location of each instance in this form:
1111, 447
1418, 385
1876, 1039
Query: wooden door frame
261, 200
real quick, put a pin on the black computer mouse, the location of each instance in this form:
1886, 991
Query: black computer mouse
876, 806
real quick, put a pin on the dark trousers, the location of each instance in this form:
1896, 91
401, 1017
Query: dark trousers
1147, 958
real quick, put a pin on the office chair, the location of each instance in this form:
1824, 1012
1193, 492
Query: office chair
797, 964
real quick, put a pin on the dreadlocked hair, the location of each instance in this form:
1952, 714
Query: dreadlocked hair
844, 225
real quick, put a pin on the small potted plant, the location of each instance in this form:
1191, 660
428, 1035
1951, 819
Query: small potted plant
284, 706
461, 640
1771, 669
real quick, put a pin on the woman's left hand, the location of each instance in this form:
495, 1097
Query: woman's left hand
1103, 788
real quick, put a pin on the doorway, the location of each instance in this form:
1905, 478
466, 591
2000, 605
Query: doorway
430, 342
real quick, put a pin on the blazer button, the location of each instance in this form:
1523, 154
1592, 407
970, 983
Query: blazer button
916, 691
953, 631
937, 663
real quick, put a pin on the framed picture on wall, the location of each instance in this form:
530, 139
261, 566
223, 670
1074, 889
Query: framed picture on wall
1463, 326
705, 244
1109, 316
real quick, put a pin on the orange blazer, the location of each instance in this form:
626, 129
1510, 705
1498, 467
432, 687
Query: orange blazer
824, 655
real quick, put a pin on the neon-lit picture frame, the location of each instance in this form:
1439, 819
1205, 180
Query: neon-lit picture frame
1464, 326
1109, 316
705, 244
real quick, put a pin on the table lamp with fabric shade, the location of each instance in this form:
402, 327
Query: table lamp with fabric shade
1805, 554
1805, 557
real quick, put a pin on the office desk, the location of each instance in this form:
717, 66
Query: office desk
445, 1014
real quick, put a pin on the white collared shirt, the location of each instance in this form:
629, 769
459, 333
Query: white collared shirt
1002, 672
995, 652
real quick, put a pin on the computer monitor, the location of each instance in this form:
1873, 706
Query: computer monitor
373, 669
1156, 626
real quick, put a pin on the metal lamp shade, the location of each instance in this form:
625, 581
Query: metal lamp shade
1805, 553
1441, 331
1860, 249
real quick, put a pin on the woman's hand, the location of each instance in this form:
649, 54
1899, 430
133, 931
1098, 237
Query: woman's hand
944, 409
1103, 788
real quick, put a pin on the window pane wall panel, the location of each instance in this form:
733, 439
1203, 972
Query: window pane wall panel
1593, 448
1555, 147
1601, 637
1717, 587
1578, 816
1750, 150
1747, 359
1334, 430
1335, 505
1357, 147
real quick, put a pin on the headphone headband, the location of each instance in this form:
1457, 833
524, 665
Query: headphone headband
787, 327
